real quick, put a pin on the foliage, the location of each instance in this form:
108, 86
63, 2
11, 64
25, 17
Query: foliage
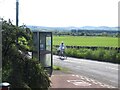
57, 67
84, 32
98, 54
18, 69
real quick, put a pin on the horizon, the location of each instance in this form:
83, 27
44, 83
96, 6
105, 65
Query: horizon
72, 26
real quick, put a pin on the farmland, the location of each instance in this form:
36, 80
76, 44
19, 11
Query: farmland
100, 54
86, 41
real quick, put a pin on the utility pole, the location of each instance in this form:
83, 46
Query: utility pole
17, 12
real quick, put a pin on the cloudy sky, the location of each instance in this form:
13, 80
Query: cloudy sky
62, 12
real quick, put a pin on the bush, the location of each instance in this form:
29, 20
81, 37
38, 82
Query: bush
118, 58
34, 75
99, 54
107, 56
54, 49
68, 52
18, 70
89, 54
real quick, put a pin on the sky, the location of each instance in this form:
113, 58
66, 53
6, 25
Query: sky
62, 13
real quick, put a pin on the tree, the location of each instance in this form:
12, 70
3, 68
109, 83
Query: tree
18, 69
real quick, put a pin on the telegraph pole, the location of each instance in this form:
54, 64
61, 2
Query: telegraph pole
17, 12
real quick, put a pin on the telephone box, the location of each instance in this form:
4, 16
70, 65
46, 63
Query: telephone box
42, 42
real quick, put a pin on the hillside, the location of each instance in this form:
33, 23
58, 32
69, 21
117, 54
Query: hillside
71, 28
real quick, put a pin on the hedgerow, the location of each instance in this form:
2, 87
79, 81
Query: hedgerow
99, 54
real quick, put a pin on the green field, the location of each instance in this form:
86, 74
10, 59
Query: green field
86, 41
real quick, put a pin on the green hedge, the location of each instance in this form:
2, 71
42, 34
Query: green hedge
99, 54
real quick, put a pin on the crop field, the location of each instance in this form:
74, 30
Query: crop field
86, 41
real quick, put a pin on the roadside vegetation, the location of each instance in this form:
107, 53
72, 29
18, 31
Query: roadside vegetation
99, 54
17, 68
94, 45
57, 67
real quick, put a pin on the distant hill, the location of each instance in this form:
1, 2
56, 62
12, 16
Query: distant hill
71, 28
99, 28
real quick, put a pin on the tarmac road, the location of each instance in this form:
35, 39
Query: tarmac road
106, 73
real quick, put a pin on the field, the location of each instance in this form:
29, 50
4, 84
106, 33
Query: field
86, 41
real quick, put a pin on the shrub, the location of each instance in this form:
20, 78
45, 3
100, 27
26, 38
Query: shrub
54, 49
99, 54
107, 56
69, 52
118, 58
89, 54
18, 70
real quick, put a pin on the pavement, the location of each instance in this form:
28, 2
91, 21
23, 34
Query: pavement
103, 72
67, 80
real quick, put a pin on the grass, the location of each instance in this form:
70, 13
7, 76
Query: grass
55, 67
86, 41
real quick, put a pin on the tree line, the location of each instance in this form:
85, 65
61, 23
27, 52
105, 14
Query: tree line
75, 32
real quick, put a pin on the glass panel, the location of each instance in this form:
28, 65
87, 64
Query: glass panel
45, 49
48, 43
42, 41
46, 60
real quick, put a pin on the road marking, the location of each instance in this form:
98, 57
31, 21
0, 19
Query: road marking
88, 80
77, 75
73, 75
79, 82
95, 82
81, 77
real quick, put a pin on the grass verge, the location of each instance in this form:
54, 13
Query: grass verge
55, 67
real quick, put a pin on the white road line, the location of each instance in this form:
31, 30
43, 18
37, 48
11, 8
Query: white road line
79, 82
82, 78
77, 75
88, 80
73, 75
99, 83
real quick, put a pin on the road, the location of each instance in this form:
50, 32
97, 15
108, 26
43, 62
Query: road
106, 73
